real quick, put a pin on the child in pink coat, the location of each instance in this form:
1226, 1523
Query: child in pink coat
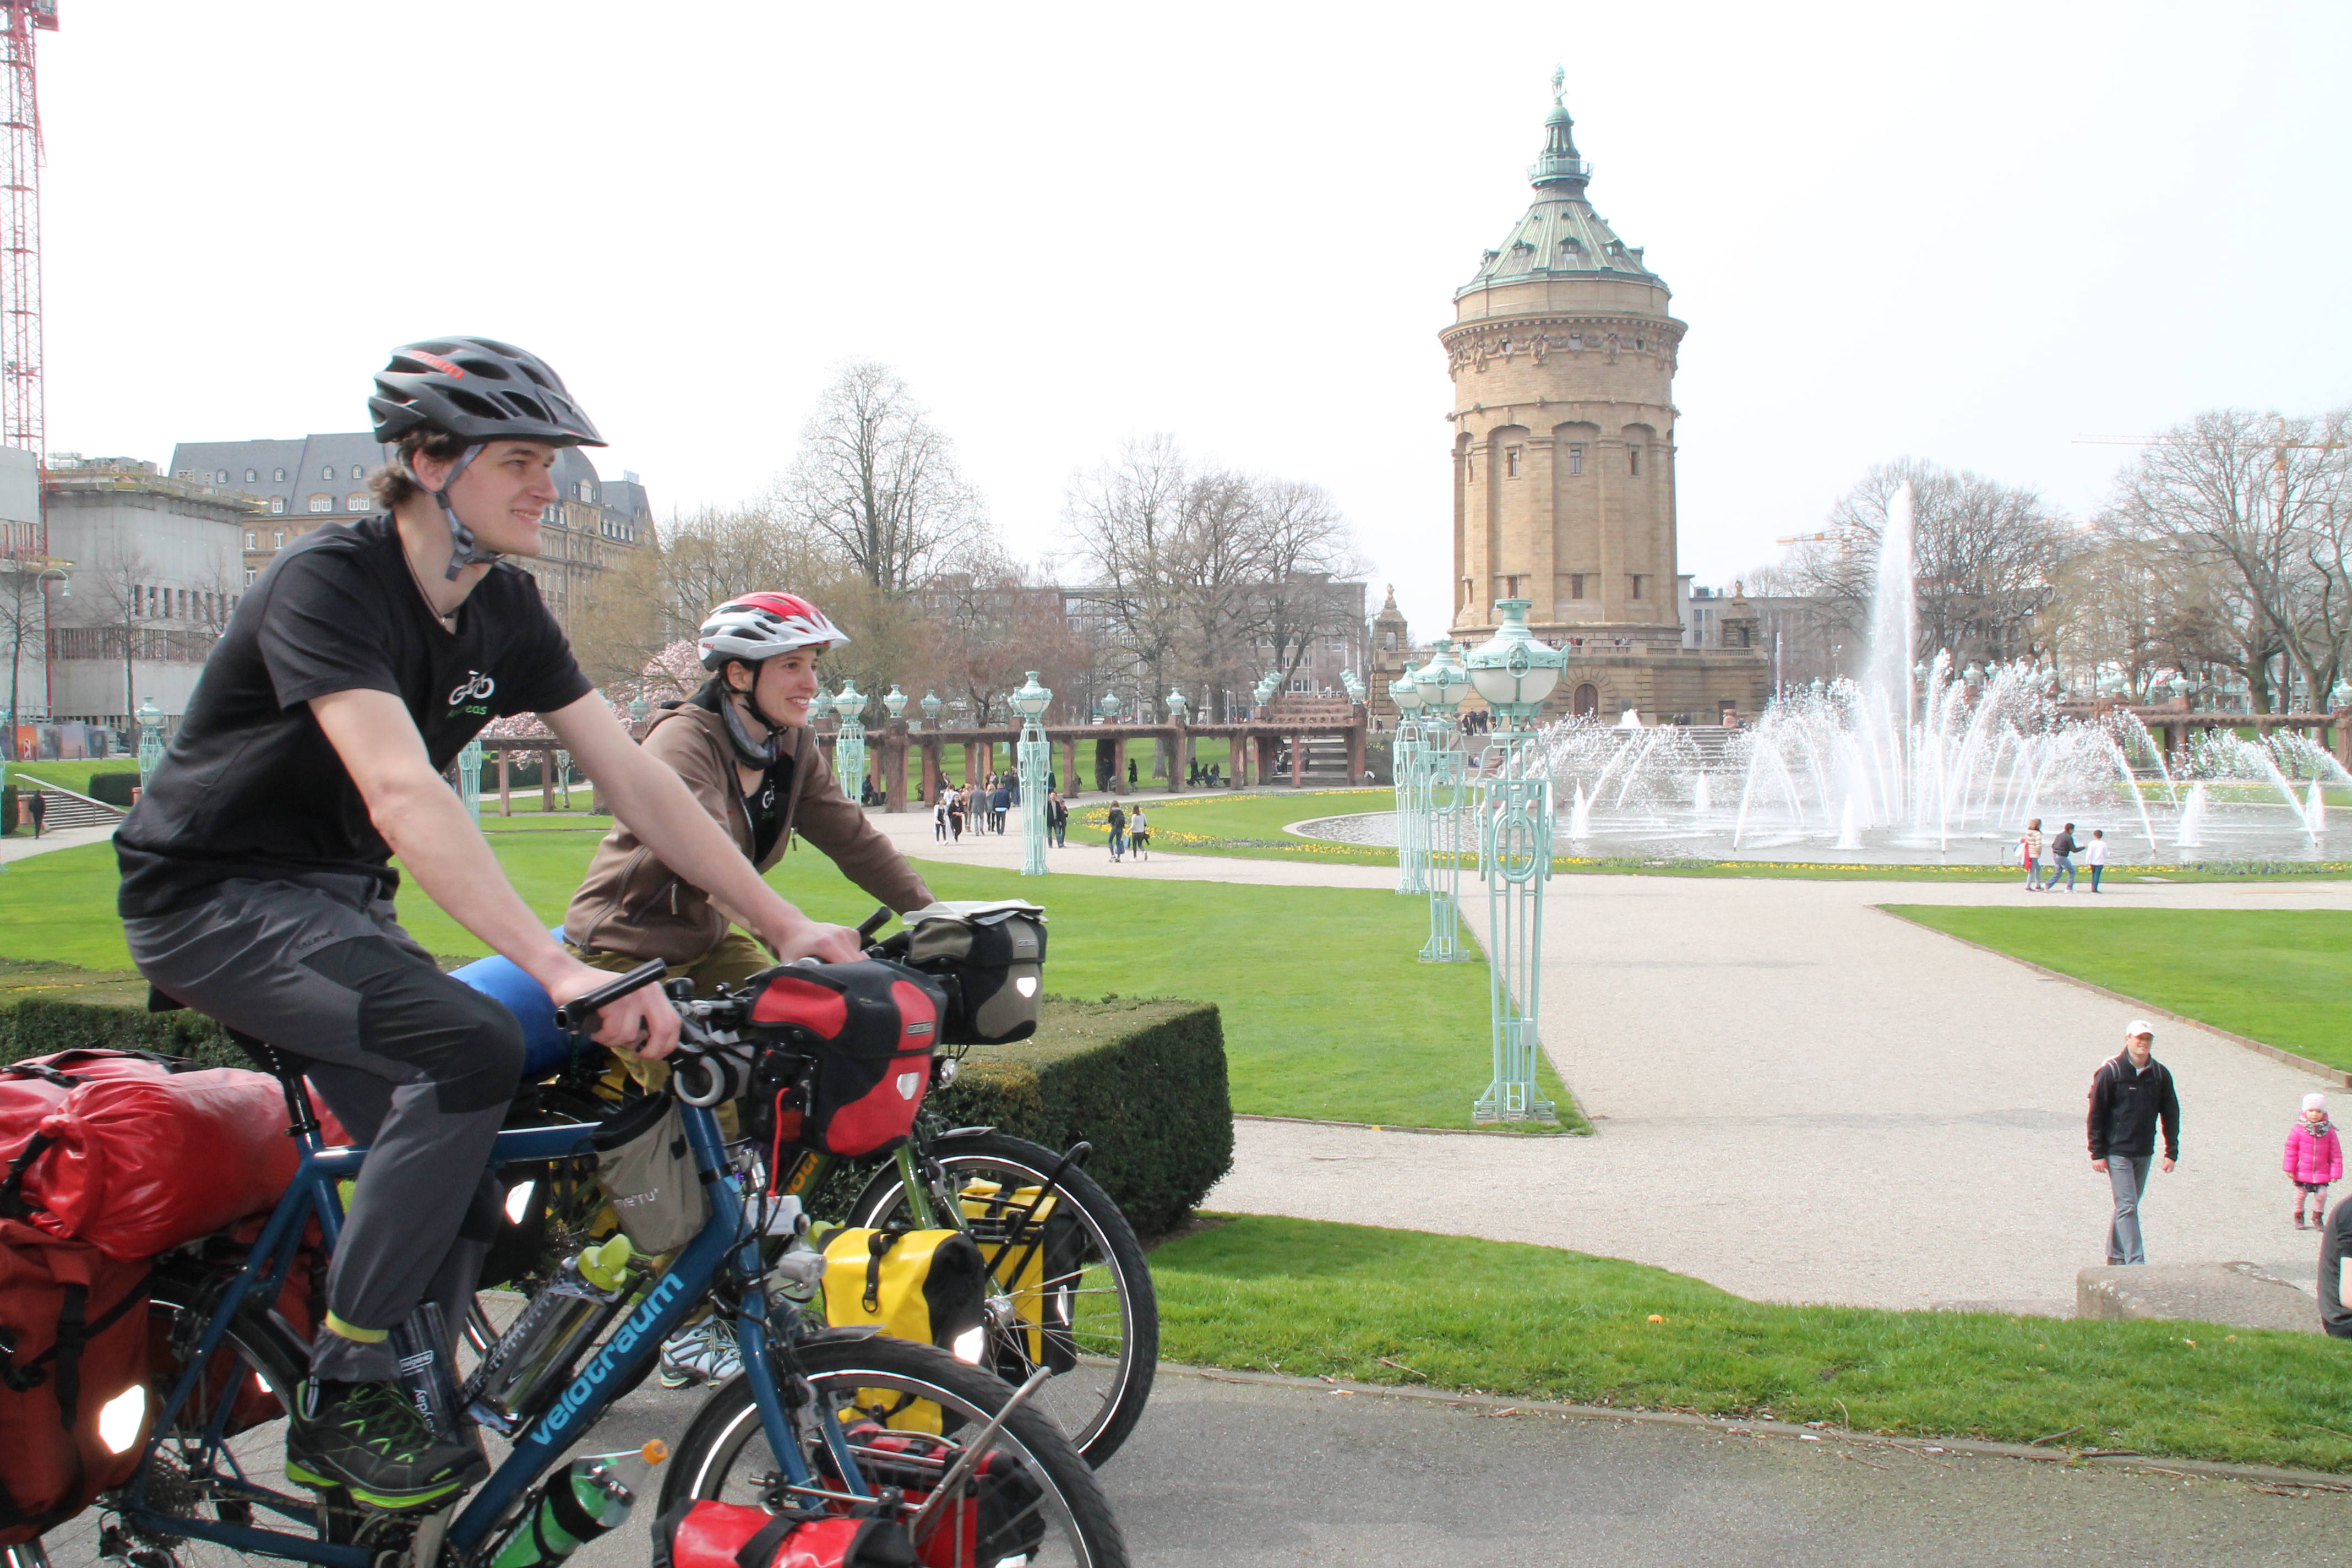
2314, 1158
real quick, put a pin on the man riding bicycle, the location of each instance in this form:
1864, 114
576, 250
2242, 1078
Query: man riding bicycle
257, 885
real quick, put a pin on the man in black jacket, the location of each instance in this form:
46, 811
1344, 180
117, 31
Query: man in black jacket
2063, 850
2129, 1095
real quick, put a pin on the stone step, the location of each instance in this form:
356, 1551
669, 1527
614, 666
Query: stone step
68, 808
2238, 1294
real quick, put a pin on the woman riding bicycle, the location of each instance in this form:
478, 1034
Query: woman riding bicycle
743, 746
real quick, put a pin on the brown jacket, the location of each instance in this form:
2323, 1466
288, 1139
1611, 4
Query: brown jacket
631, 904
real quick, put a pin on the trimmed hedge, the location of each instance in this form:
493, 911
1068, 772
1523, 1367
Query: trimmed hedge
8, 809
114, 788
39, 1027
1143, 1081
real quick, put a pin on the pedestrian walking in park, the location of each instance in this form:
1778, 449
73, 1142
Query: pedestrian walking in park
940, 818
2062, 858
1057, 820
2094, 856
38, 803
2314, 1158
2129, 1096
998, 804
1139, 835
2029, 849
1130, 773
955, 816
1117, 833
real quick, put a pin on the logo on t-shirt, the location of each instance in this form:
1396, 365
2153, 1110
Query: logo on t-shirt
475, 689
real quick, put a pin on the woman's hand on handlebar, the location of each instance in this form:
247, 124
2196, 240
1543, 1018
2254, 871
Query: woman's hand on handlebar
641, 1023
814, 939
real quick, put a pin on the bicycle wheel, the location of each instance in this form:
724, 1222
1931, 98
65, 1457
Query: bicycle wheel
255, 1366
1067, 1524
1089, 1312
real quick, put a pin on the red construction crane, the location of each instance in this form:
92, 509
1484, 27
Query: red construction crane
23, 411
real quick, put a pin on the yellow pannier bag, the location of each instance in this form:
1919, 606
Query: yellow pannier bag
1033, 1250
928, 1285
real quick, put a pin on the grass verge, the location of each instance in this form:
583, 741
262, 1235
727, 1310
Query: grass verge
2274, 975
1327, 1014
1412, 1308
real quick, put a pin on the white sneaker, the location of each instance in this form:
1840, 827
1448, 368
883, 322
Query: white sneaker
701, 1352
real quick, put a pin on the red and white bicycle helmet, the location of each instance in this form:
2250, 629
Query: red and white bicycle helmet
760, 626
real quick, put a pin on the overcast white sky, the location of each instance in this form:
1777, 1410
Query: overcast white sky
1970, 234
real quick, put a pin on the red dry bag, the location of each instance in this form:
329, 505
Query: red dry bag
705, 1534
135, 1165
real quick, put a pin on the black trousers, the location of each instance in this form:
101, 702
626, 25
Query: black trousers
416, 1065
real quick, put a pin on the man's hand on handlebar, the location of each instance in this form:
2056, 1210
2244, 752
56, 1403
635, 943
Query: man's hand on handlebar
642, 1023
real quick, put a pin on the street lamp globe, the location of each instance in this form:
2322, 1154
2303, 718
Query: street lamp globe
1031, 700
931, 707
1176, 706
638, 708
1352, 686
1405, 692
851, 703
1444, 681
895, 702
1512, 671
1110, 706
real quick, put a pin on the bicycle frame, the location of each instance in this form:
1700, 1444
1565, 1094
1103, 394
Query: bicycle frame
611, 1369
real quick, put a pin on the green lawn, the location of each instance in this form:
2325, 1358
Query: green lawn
1303, 1298
1327, 1012
2279, 976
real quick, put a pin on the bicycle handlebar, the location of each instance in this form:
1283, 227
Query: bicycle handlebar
579, 1014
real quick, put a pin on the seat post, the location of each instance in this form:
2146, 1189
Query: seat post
301, 1121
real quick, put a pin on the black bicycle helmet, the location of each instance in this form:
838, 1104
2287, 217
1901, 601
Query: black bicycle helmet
477, 389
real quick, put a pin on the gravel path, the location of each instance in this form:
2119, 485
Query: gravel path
1797, 1096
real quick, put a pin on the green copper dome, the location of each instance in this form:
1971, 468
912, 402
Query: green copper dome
1561, 235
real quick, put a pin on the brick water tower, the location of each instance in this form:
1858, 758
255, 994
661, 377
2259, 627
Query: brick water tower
1562, 354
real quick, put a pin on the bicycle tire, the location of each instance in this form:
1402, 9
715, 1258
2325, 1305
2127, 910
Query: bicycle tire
1100, 1409
724, 1453
254, 1350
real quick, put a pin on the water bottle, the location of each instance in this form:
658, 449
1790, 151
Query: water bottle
579, 1502
539, 1347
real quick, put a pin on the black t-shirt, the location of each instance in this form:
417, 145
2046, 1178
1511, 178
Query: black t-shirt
250, 786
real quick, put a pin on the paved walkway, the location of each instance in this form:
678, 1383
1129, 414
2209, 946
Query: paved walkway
1797, 1096
19, 844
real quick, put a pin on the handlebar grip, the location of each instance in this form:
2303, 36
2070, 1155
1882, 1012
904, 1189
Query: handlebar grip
873, 922
579, 1013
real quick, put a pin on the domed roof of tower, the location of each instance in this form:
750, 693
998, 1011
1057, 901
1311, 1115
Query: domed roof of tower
1560, 236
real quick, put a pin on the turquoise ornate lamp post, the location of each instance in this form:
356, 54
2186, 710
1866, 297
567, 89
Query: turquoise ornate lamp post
849, 746
1412, 844
1514, 673
151, 740
469, 778
1445, 798
931, 707
1033, 758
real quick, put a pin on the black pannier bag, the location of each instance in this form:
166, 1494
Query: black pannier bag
991, 957
845, 1053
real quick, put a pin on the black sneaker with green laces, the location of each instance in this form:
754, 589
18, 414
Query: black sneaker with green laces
367, 1439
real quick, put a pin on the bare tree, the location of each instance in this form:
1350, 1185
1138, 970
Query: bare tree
2261, 499
1986, 557
1305, 547
24, 614
126, 600
878, 481
1127, 517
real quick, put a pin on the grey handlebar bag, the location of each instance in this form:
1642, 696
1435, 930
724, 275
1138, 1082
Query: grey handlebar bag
647, 1170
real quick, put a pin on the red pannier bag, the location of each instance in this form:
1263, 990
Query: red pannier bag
73, 1338
706, 1534
997, 1516
849, 1052
138, 1163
